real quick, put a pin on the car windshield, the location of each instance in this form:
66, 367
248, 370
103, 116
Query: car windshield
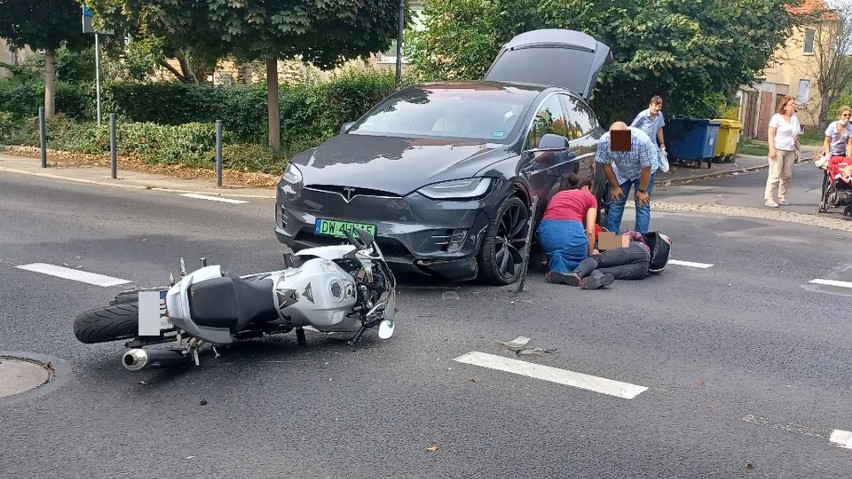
482, 112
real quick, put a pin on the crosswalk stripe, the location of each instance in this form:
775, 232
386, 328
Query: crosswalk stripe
556, 375
841, 438
690, 263
832, 282
213, 198
73, 274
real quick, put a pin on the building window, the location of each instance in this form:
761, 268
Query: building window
804, 91
809, 41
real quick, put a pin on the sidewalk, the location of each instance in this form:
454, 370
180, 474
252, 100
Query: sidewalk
679, 174
126, 178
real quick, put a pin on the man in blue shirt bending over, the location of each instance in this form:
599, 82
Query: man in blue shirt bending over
628, 157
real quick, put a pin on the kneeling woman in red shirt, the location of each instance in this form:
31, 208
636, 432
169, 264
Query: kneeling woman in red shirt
567, 230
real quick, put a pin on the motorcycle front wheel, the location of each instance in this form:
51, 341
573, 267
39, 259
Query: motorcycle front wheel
112, 323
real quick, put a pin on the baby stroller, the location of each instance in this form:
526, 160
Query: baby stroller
836, 184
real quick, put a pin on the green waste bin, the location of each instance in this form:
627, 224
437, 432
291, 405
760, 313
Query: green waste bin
726, 142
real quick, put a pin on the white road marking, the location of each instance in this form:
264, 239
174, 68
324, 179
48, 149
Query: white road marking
832, 282
841, 438
213, 198
690, 263
73, 274
547, 373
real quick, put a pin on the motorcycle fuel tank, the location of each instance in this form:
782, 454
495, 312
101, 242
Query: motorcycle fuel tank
317, 294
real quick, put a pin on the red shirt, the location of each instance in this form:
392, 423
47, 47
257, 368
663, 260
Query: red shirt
570, 205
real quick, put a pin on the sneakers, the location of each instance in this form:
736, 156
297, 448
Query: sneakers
557, 277
783, 202
597, 280
771, 204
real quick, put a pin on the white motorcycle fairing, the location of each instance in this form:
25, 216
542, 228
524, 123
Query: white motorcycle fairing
177, 305
318, 294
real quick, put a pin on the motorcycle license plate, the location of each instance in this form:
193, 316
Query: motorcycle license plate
336, 228
152, 313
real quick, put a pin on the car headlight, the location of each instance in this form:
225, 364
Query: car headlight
456, 189
292, 174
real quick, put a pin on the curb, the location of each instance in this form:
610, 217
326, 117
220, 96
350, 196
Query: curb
139, 187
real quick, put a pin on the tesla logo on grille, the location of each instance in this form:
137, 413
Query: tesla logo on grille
349, 192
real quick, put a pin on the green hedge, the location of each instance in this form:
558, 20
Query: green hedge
308, 112
173, 122
23, 100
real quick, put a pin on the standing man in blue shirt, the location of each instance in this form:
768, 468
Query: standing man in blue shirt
651, 121
629, 161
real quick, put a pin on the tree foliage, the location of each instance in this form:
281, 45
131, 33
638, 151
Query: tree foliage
692, 53
832, 65
42, 25
322, 32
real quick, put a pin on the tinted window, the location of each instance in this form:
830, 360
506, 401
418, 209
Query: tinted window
549, 118
481, 112
563, 67
581, 119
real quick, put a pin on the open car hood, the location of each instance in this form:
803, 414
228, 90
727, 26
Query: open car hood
552, 57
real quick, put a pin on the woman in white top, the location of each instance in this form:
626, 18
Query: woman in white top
784, 131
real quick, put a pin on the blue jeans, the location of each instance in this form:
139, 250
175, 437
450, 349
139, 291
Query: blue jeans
616, 208
565, 243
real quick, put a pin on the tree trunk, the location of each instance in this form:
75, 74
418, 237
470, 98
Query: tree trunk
163, 63
823, 119
272, 103
185, 69
49, 82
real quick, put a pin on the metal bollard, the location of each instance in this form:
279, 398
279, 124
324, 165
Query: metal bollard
42, 132
112, 153
218, 152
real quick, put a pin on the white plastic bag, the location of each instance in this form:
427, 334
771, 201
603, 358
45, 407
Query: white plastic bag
821, 162
664, 161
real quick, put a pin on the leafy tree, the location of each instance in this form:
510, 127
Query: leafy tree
322, 32
832, 68
692, 53
44, 25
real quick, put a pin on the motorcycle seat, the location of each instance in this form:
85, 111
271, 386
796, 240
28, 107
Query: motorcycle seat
231, 302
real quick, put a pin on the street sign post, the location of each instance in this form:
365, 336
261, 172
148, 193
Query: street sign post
88, 15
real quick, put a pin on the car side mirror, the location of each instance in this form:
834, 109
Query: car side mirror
552, 142
345, 127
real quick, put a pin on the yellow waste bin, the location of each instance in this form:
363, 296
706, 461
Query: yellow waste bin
726, 142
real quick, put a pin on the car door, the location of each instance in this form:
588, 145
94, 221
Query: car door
544, 169
584, 133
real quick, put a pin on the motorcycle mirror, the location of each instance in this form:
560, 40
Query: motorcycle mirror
352, 239
386, 329
365, 236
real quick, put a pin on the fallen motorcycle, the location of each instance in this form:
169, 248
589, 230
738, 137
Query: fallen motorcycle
345, 288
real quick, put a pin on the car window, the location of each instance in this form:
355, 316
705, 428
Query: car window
581, 119
549, 118
482, 113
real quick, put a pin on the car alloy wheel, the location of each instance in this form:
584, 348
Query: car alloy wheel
502, 255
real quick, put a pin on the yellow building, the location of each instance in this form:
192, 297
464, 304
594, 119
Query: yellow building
11, 56
793, 71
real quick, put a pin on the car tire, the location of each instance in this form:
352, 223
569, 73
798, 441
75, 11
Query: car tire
501, 255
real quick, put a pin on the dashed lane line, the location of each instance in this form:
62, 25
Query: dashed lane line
73, 274
690, 263
547, 373
832, 282
213, 198
841, 438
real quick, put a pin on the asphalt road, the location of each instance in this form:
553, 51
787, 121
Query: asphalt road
746, 362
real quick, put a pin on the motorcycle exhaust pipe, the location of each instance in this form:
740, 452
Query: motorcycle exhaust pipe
137, 359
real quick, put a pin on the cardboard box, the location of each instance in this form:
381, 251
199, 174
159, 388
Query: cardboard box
609, 240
